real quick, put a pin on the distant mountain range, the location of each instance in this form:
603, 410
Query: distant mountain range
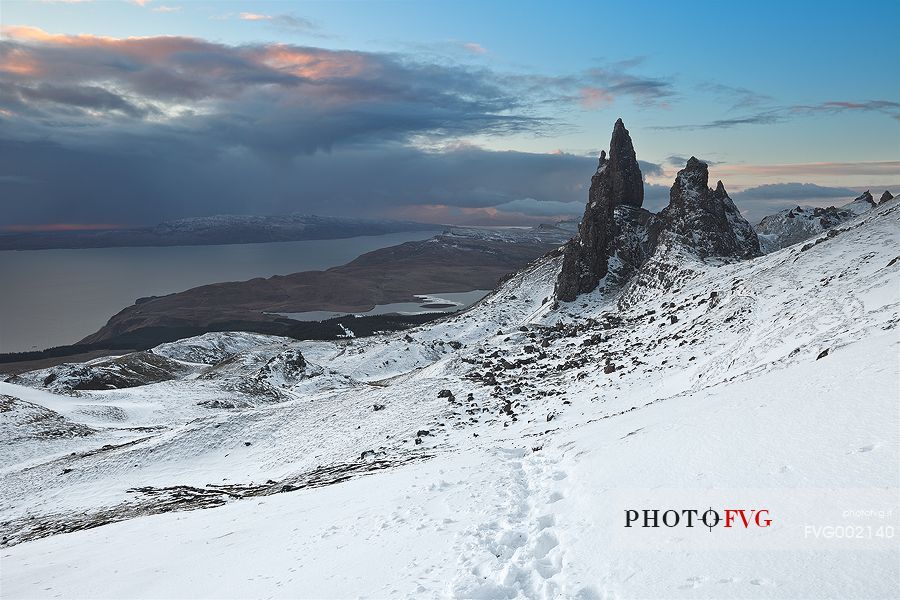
214, 230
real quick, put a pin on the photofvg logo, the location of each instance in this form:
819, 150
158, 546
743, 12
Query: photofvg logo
754, 519
734, 518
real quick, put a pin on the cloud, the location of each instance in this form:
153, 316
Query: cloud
656, 197
677, 160
769, 117
166, 9
600, 87
794, 192
645, 91
739, 97
785, 113
83, 98
142, 129
277, 98
649, 169
284, 22
162, 175
887, 168
474, 48
592, 97
883, 106
548, 208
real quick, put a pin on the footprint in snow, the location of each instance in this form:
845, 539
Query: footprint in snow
692, 582
545, 521
546, 542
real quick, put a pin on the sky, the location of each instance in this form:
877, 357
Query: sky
134, 112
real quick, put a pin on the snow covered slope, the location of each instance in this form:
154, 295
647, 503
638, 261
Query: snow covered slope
492, 454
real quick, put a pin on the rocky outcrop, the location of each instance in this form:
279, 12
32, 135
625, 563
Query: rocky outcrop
704, 220
861, 204
788, 227
617, 237
618, 182
885, 197
131, 370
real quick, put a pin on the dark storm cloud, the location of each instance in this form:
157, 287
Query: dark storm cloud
656, 197
289, 99
649, 169
142, 185
138, 130
79, 97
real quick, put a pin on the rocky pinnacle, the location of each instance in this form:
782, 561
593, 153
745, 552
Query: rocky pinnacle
617, 182
705, 220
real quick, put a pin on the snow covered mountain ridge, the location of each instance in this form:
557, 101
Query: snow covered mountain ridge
487, 455
793, 225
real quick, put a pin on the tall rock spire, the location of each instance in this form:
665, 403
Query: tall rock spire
617, 182
626, 180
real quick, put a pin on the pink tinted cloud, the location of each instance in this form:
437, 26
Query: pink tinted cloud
886, 167
166, 71
593, 98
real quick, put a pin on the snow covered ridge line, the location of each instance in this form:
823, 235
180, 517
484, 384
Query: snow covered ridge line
794, 225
